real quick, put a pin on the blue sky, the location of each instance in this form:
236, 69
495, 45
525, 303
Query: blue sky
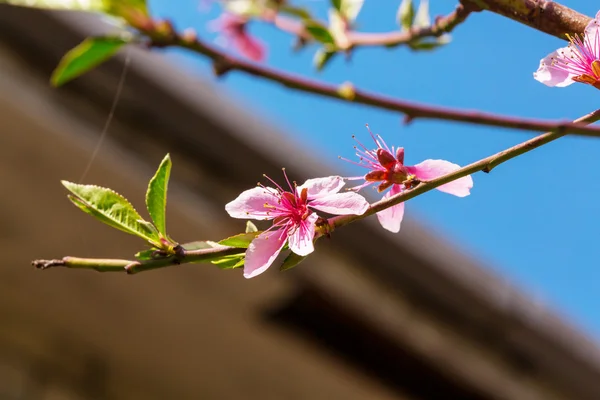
534, 219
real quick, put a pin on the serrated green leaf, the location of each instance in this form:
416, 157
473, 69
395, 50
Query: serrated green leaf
349, 9
406, 14
322, 57
230, 262
121, 8
294, 11
250, 227
199, 245
85, 56
111, 208
291, 261
422, 17
156, 196
319, 32
242, 240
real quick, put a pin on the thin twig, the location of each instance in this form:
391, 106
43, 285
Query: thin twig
135, 266
486, 165
162, 34
441, 25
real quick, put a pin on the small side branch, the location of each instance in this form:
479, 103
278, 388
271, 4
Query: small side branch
135, 266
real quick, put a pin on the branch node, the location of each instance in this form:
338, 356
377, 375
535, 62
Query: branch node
222, 66
408, 119
130, 268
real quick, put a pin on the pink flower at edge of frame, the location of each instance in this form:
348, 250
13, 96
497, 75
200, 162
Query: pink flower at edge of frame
293, 215
577, 62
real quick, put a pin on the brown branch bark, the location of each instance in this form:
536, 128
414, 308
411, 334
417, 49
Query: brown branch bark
545, 16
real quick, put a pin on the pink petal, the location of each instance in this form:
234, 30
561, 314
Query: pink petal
391, 218
261, 253
341, 204
249, 47
592, 28
301, 240
431, 169
550, 75
319, 187
251, 203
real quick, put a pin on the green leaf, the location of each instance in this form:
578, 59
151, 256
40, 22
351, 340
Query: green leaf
428, 45
422, 17
337, 4
319, 32
230, 262
146, 254
111, 208
156, 196
322, 57
294, 11
85, 56
291, 261
406, 14
242, 240
349, 9
250, 227
121, 8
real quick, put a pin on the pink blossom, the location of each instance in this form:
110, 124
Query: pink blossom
233, 28
387, 168
578, 62
293, 218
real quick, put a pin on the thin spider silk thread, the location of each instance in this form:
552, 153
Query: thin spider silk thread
111, 113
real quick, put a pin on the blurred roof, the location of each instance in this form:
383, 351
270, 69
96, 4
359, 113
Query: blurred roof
369, 314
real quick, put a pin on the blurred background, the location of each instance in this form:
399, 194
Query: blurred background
488, 297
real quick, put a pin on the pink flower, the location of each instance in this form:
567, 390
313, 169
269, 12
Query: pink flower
578, 62
233, 28
293, 218
387, 168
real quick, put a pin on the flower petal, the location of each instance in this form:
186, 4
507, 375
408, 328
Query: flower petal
550, 75
261, 253
301, 240
431, 169
348, 203
249, 46
391, 218
319, 187
251, 203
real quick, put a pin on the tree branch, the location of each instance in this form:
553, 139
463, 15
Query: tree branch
441, 25
162, 34
546, 16
134, 266
486, 165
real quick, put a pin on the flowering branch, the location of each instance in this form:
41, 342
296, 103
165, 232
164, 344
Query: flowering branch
181, 256
441, 25
485, 165
162, 34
